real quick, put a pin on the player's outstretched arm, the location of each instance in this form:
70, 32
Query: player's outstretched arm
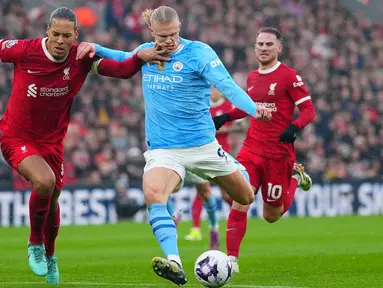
210, 67
128, 67
92, 49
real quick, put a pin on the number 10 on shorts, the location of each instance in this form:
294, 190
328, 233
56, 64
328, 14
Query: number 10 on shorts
274, 192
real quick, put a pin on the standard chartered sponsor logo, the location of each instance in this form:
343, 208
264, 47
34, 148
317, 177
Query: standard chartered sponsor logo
54, 92
271, 106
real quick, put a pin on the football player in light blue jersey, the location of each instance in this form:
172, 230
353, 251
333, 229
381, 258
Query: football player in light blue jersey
180, 133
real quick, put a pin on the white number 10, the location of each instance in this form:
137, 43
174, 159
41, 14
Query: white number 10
274, 192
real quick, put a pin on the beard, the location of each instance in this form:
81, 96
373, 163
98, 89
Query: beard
266, 62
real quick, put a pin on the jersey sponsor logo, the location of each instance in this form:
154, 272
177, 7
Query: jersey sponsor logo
177, 66
299, 83
32, 91
46, 92
271, 106
161, 82
272, 88
66, 74
215, 63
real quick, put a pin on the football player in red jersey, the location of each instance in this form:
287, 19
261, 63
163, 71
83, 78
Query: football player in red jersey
47, 76
268, 150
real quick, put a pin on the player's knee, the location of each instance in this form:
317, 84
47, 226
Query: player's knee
44, 184
152, 194
246, 199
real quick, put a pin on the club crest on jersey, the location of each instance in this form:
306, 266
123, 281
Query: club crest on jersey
66, 74
161, 67
177, 66
272, 88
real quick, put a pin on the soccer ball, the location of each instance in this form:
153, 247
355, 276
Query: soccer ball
213, 268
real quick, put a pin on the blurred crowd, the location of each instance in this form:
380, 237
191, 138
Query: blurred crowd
339, 55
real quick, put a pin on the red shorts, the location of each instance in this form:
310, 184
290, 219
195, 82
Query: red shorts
272, 175
16, 150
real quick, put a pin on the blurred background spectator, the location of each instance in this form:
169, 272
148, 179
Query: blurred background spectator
339, 55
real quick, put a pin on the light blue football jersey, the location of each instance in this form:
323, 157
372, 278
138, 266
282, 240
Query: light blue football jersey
177, 95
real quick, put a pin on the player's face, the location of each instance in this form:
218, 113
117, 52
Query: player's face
166, 35
215, 95
267, 48
61, 35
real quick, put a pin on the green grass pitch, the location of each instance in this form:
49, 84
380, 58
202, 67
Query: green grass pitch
344, 252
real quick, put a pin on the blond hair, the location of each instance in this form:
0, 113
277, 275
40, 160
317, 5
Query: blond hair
162, 15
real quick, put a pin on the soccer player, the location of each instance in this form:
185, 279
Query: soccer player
268, 150
218, 106
180, 132
47, 76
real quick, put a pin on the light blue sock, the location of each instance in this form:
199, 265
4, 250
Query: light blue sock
170, 206
163, 229
211, 209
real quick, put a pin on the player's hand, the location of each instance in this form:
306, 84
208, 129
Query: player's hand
220, 120
85, 48
153, 55
289, 135
262, 113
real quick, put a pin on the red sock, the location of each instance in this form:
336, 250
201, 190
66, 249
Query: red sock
196, 211
236, 229
289, 198
38, 211
51, 229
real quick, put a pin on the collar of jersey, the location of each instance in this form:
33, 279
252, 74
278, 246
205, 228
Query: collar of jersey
179, 48
49, 56
272, 69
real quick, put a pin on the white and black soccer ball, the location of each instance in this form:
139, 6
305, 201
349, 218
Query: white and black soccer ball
213, 268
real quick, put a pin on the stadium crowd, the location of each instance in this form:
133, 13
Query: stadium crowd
339, 55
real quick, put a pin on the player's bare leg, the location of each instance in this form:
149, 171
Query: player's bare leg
226, 197
237, 186
158, 184
210, 204
51, 229
37, 171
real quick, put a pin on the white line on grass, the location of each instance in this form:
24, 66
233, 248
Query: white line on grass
135, 284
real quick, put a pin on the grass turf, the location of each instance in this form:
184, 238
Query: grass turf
294, 252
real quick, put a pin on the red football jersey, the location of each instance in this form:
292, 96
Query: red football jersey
280, 89
43, 90
218, 108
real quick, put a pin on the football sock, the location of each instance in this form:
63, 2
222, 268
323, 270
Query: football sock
196, 211
51, 230
170, 206
289, 198
38, 211
164, 230
236, 229
211, 209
